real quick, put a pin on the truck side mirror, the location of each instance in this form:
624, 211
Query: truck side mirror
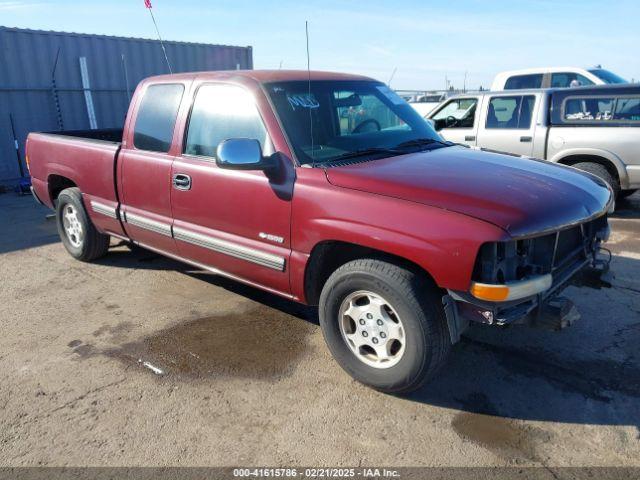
241, 154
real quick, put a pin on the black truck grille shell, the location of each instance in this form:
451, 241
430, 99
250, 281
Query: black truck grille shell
556, 252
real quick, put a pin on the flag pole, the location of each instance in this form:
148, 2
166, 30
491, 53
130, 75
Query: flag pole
147, 3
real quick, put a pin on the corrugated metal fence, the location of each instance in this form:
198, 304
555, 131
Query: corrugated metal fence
44, 78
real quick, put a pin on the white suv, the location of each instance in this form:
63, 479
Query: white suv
554, 77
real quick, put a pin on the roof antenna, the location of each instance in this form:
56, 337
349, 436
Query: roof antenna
306, 31
391, 77
147, 3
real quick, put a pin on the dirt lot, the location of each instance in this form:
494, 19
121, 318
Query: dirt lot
247, 379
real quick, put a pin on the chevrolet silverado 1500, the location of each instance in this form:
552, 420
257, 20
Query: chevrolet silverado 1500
330, 190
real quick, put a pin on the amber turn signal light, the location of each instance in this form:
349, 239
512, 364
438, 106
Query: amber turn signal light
511, 290
491, 293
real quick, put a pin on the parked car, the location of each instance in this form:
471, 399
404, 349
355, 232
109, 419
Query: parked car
596, 129
400, 238
554, 77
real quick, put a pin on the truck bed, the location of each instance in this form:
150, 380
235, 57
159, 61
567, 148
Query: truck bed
85, 157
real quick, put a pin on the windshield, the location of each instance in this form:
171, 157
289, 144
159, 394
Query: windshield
606, 76
331, 120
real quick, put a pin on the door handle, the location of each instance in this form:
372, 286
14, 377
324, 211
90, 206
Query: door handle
525, 139
469, 138
181, 181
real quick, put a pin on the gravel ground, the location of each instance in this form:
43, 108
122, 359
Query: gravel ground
246, 378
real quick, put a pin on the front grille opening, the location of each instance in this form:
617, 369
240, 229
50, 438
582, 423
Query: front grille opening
523, 271
501, 262
521, 248
568, 242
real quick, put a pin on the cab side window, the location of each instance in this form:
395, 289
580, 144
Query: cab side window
513, 112
458, 113
221, 112
568, 79
156, 117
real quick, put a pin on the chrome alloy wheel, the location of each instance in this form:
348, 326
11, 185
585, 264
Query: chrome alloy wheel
72, 226
372, 329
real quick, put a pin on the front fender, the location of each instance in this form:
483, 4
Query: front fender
442, 242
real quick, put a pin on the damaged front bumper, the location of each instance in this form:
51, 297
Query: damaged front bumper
534, 301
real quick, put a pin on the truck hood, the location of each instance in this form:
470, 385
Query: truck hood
520, 195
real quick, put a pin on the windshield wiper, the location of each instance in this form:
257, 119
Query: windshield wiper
364, 152
422, 142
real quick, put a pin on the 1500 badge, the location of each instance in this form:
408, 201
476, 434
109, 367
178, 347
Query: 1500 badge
270, 237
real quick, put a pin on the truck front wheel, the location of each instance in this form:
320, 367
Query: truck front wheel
384, 324
78, 234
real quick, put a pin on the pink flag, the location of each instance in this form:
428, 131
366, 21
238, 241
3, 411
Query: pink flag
147, 3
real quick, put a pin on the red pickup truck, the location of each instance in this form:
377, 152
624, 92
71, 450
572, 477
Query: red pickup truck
330, 190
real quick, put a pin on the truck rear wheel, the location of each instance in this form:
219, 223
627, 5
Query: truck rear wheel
78, 234
602, 172
384, 325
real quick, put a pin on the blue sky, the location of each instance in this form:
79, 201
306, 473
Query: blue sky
424, 40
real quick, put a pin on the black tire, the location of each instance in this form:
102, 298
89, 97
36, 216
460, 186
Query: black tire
627, 193
93, 244
418, 304
600, 171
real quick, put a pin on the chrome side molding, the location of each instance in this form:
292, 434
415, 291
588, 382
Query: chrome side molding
103, 209
228, 248
147, 224
225, 247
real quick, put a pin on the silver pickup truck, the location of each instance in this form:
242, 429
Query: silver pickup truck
596, 129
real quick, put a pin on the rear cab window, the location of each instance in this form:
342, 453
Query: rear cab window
510, 112
521, 82
156, 117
